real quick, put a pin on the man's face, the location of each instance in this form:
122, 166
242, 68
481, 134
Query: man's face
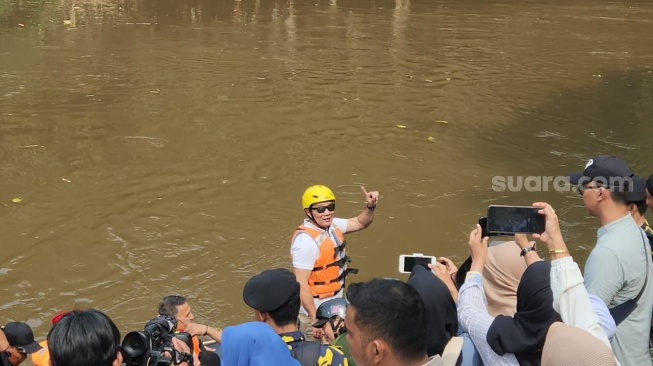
184, 316
323, 219
354, 338
590, 193
16, 357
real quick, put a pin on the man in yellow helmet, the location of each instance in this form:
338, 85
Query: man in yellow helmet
318, 250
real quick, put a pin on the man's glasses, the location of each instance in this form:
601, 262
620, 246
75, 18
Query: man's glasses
582, 189
21, 350
321, 209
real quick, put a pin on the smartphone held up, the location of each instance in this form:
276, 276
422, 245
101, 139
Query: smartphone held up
408, 261
514, 219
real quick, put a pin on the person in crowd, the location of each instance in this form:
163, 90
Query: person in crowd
619, 268
254, 344
649, 191
572, 301
274, 296
502, 272
4, 343
177, 307
90, 338
637, 207
566, 345
42, 357
318, 250
20, 340
434, 287
331, 317
508, 340
387, 325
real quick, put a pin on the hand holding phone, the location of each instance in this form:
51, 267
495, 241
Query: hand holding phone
408, 261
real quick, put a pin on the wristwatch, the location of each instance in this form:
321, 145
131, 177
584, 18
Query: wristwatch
526, 250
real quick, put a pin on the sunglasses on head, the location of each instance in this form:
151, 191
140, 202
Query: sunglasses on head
321, 209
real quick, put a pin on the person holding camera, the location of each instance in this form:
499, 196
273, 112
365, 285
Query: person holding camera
318, 250
91, 338
178, 308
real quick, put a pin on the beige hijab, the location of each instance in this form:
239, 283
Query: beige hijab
503, 270
570, 346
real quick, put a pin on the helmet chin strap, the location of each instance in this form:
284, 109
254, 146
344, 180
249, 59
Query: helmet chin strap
337, 331
312, 219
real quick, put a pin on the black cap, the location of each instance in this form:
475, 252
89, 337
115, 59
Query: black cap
20, 335
271, 289
638, 193
609, 170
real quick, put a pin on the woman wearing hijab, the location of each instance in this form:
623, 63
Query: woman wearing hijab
506, 340
254, 344
570, 346
435, 290
442, 317
502, 272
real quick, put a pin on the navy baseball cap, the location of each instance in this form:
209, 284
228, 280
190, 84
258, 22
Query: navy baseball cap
20, 335
609, 170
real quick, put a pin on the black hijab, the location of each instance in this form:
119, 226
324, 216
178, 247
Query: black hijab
524, 333
441, 314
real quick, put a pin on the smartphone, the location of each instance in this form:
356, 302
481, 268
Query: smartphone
483, 222
514, 219
408, 261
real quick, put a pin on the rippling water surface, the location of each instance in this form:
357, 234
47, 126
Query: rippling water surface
162, 146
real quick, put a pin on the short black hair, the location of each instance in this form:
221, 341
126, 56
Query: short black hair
393, 311
286, 314
84, 338
642, 207
619, 195
168, 306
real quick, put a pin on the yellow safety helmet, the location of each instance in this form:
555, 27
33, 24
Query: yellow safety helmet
316, 194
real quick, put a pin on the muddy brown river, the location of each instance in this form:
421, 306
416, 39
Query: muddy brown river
161, 147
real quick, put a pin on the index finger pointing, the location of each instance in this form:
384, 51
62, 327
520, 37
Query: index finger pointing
364, 191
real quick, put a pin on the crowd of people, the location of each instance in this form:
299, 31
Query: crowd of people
505, 305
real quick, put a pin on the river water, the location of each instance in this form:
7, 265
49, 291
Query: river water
162, 147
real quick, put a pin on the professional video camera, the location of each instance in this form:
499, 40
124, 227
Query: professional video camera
153, 345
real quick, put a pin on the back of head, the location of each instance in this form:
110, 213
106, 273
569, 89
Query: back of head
502, 272
570, 346
276, 292
391, 311
254, 344
168, 305
84, 338
441, 313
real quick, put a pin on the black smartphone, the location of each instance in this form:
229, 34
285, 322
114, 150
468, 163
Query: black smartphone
515, 219
483, 222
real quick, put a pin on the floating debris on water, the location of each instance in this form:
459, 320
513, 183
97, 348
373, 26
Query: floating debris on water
442, 121
401, 126
431, 138
17, 200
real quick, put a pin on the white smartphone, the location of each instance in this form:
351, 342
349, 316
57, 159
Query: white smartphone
408, 261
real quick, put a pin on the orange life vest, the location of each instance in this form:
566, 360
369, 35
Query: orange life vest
326, 279
42, 356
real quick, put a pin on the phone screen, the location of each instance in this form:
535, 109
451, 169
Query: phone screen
483, 222
514, 219
412, 261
